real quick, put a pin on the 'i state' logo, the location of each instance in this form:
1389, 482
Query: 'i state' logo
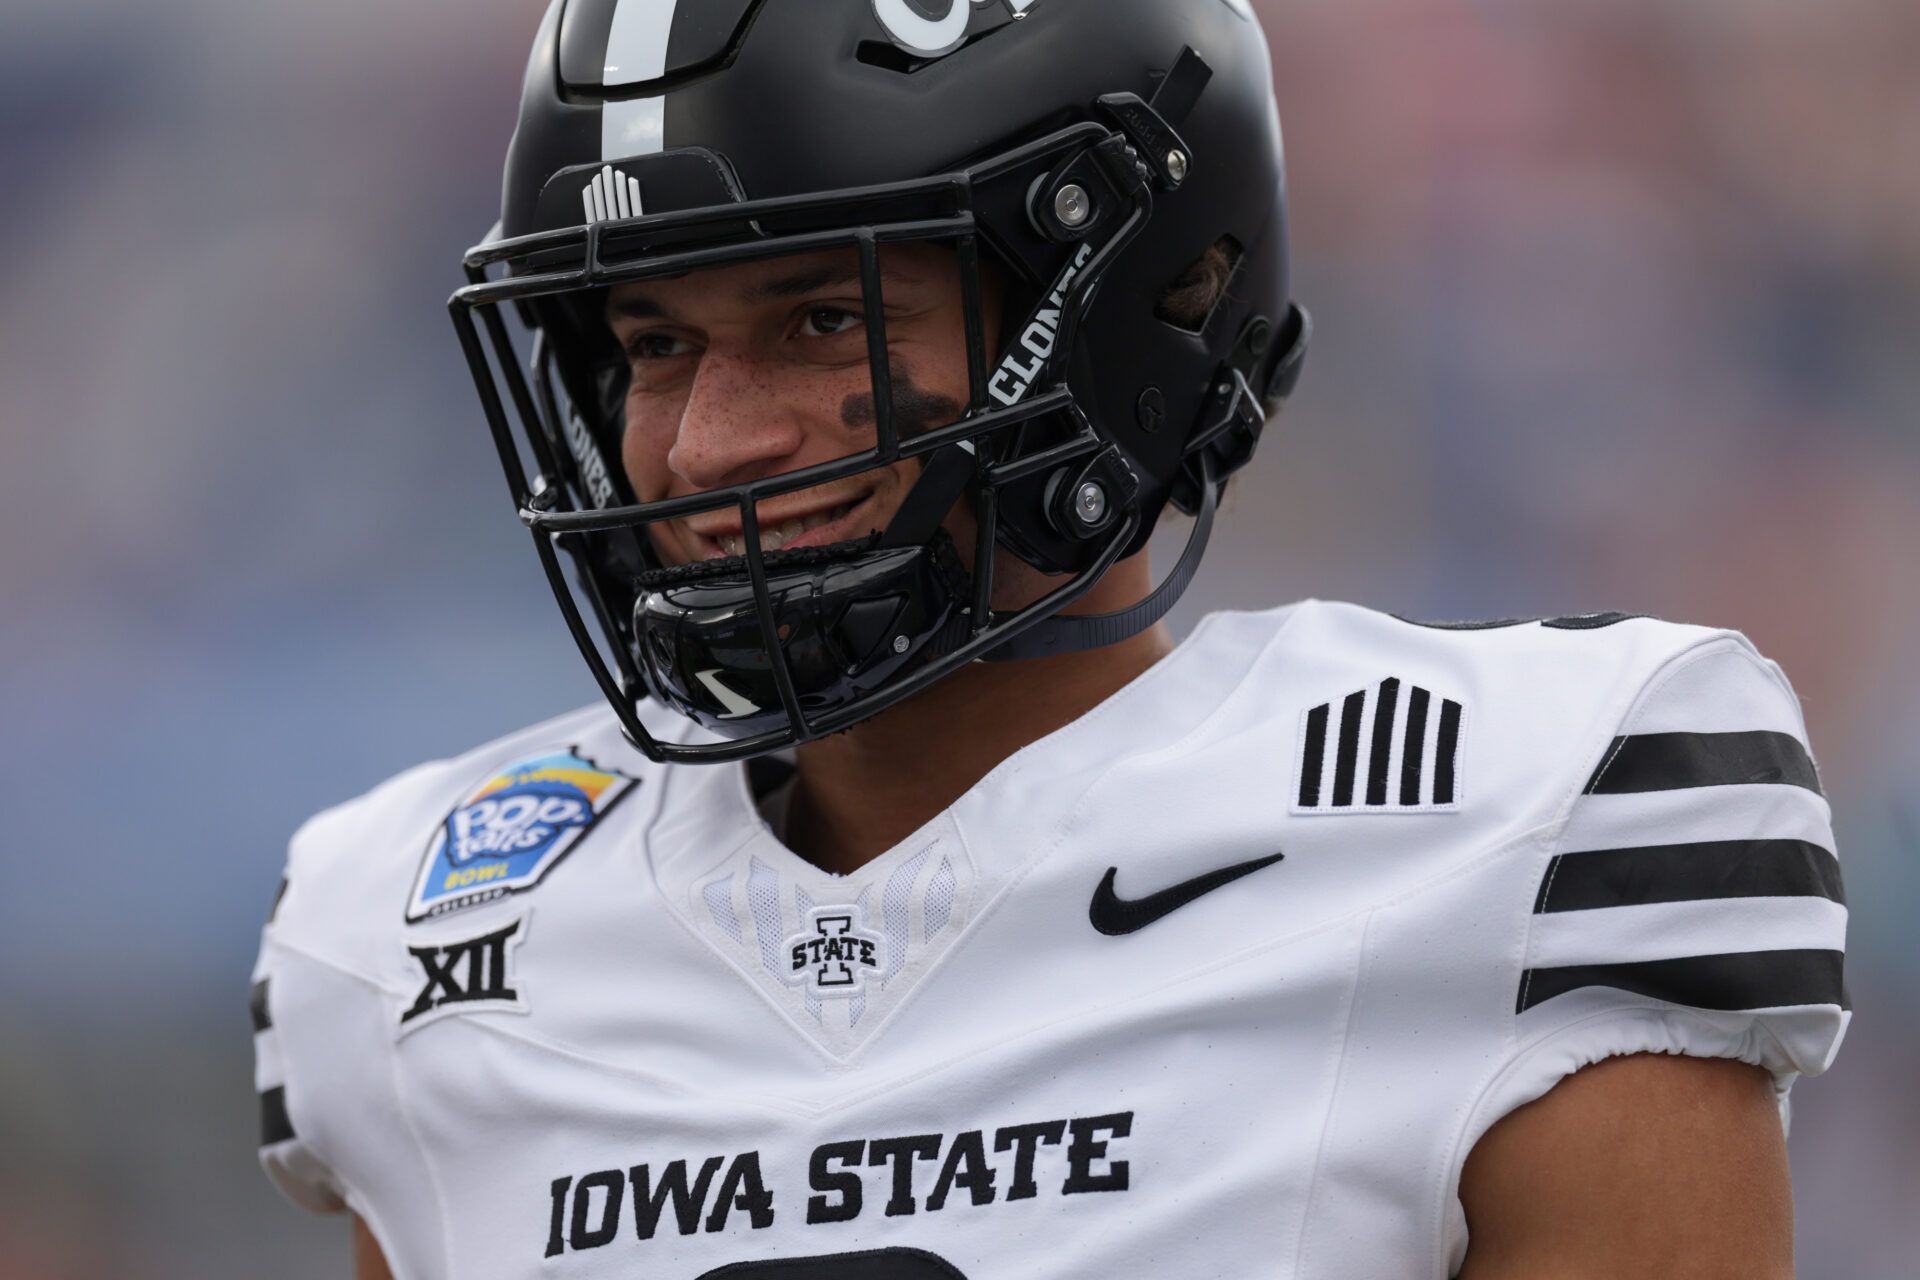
833, 955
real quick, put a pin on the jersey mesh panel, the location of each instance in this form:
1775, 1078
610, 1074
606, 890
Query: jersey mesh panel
804, 902
719, 899
939, 898
763, 896
895, 909
858, 1005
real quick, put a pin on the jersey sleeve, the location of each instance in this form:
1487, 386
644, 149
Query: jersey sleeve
289, 1160
1693, 902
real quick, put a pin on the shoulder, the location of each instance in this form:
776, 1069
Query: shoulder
1601, 654
450, 833
1515, 715
365, 885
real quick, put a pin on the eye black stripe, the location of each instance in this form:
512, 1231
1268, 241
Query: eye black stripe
1742, 980
1690, 873
1676, 761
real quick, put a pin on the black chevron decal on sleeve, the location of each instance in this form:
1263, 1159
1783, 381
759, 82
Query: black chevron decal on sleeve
1348, 760
1382, 752
1313, 755
1445, 752
1413, 746
1393, 747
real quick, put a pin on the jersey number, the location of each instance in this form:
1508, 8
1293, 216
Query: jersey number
878, 1264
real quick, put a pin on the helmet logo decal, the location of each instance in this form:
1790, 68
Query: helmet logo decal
611, 196
636, 53
915, 32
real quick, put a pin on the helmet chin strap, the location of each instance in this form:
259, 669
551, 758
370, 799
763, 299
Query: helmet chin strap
1072, 634
1075, 633
942, 480
940, 485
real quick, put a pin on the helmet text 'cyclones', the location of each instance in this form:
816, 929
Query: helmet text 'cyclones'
1018, 372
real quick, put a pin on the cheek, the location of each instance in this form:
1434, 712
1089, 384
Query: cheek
644, 445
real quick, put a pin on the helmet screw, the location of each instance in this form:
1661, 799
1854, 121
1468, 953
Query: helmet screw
1177, 165
1259, 336
1151, 411
1090, 504
901, 644
1072, 205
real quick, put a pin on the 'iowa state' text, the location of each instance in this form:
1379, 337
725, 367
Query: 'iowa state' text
921, 1173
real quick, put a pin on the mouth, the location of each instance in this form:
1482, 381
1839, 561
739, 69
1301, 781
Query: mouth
816, 526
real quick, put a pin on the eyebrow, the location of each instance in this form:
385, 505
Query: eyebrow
797, 284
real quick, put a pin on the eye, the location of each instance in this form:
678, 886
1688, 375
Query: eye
826, 322
656, 345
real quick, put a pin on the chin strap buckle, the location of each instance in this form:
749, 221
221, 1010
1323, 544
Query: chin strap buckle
1250, 386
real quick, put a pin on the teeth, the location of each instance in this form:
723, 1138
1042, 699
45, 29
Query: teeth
780, 535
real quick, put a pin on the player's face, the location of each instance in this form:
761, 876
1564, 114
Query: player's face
755, 370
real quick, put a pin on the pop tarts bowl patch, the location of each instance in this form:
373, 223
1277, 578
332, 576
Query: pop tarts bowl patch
511, 830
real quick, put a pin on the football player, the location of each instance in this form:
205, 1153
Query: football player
913, 907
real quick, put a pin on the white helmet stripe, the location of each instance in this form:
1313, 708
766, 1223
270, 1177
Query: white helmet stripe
636, 53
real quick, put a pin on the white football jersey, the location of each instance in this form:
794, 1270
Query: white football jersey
1224, 979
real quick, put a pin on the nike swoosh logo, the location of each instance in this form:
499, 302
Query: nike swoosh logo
1115, 916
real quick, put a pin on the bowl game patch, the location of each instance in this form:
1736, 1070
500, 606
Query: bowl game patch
511, 830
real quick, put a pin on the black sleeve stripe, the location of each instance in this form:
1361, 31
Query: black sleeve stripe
262, 1018
279, 896
1690, 873
1743, 980
1382, 741
274, 1124
1675, 761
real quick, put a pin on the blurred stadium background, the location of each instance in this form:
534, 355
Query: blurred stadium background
1618, 306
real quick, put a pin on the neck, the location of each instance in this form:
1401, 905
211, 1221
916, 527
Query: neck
862, 792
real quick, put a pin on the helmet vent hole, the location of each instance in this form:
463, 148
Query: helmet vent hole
1189, 303
888, 56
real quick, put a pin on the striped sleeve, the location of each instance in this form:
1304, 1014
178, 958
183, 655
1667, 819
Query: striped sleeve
289, 1162
1694, 901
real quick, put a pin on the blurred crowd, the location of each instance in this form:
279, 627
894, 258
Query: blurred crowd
1617, 306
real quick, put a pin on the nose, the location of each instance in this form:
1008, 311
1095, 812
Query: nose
736, 426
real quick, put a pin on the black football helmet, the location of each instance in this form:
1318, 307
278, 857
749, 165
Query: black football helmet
1091, 150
